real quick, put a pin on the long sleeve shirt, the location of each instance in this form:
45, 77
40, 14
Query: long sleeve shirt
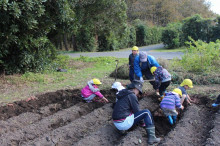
171, 101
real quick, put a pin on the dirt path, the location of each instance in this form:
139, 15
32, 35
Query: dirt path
62, 118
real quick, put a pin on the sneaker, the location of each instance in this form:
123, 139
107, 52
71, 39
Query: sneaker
170, 120
214, 105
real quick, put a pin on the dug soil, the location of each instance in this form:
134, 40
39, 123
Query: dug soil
62, 118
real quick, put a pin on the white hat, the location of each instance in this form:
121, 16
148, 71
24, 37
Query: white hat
118, 86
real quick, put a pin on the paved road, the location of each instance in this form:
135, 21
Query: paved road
125, 53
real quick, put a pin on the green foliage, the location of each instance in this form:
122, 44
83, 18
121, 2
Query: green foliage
155, 34
105, 20
146, 35
215, 33
141, 33
24, 44
201, 57
61, 61
86, 40
172, 35
197, 28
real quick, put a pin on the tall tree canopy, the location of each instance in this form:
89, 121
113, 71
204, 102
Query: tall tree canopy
161, 12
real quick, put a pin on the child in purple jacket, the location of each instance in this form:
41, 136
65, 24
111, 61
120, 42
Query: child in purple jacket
91, 92
170, 102
162, 79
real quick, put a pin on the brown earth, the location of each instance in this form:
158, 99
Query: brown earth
61, 118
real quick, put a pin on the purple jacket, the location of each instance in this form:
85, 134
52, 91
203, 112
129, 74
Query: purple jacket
161, 75
171, 101
86, 92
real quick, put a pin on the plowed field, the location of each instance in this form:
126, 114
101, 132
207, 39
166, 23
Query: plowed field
62, 119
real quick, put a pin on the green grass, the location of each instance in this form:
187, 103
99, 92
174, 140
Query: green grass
79, 72
181, 49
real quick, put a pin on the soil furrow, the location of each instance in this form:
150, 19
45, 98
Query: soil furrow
18, 122
33, 104
75, 130
191, 129
214, 132
47, 124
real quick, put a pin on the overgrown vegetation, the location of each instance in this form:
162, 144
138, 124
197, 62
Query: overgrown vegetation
200, 57
195, 27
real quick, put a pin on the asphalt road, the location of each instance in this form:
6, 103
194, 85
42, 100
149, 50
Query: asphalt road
126, 53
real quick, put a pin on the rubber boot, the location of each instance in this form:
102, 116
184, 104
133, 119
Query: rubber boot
122, 132
174, 119
151, 135
170, 120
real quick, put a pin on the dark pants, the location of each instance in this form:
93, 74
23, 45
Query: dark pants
148, 75
131, 74
163, 87
218, 100
144, 115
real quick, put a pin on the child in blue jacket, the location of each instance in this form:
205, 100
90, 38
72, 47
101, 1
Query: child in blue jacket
131, 62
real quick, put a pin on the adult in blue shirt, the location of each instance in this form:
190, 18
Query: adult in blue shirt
142, 66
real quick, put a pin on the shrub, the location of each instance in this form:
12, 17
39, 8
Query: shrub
172, 35
197, 28
201, 57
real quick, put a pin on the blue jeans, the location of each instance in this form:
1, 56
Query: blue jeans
131, 74
144, 115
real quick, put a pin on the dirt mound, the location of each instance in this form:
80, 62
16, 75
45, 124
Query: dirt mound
62, 118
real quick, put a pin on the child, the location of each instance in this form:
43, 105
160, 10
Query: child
185, 85
170, 102
118, 87
131, 62
217, 102
91, 92
162, 79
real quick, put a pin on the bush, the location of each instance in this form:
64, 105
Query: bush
201, 57
155, 35
141, 34
86, 40
172, 35
122, 72
197, 28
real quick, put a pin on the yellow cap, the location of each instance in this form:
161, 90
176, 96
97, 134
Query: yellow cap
178, 91
187, 82
96, 81
152, 69
135, 48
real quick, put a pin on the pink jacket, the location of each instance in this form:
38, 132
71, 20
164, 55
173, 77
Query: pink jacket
86, 92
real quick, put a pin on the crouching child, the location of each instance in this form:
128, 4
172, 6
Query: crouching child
91, 92
170, 102
126, 112
162, 79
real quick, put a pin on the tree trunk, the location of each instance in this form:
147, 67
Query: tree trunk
65, 42
74, 43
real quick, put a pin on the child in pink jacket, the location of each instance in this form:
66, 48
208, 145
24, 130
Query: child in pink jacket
91, 92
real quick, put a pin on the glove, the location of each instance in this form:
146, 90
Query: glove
141, 79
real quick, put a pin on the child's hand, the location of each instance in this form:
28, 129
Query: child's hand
104, 100
182, 107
